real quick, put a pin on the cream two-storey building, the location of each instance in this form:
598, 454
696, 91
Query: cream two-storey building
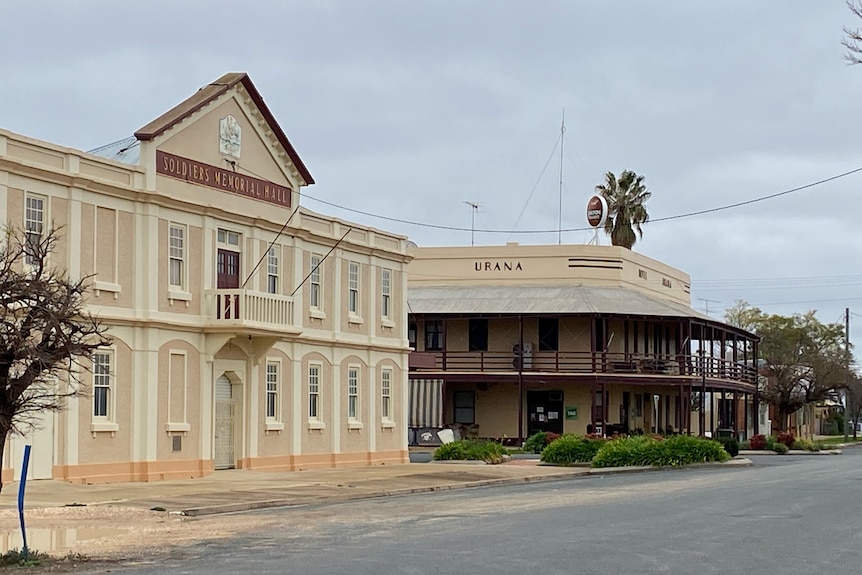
247, 332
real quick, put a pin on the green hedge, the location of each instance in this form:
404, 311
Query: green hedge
673, 451
537, 442
569, 449
464, 449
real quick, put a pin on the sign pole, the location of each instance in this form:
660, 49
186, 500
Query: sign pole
24, 465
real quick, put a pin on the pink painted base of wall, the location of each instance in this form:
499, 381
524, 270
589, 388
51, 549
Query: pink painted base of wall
133, 471
145, 471
323, 461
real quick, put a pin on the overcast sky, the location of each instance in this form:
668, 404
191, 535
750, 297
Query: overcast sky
409, 109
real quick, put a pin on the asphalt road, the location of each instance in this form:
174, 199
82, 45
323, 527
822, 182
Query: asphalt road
783, 516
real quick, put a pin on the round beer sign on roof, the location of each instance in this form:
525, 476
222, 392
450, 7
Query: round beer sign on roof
597, 211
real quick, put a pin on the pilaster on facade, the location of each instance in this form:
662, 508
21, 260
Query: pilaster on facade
336, 424
252, 426
297, 421
206, 403
371, 400
337, 287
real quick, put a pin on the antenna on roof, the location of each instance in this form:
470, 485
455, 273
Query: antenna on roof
707, 302
475, 208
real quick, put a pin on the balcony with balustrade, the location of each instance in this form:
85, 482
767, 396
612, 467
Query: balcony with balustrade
585, 366
249, 312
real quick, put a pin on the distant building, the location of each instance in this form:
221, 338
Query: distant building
243, 336
511, 340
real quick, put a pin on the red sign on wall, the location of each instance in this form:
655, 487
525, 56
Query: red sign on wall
220, 179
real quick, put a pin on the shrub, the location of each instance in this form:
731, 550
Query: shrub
786, 437
16, 557
538, 441
463, 449
569, 449
770, 443
730, 444
805, 444
744, 445
672, 451
757, 442
780, 448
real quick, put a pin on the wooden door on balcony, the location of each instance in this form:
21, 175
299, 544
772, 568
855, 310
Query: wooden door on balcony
544, 411
227, 277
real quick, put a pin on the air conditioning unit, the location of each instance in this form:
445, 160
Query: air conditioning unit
526, 356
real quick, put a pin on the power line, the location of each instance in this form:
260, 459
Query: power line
778, 279
828, 300
652, 220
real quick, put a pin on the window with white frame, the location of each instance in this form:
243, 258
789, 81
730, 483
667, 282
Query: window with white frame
272, 384
228, 238
353, 288
102, 384
272, 270
314, 392
177, 256
34, 226
314, 282
353, 393
386, 394
386, 293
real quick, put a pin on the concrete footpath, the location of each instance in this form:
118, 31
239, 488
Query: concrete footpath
238, 490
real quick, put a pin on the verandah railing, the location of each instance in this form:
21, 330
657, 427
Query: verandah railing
584, 362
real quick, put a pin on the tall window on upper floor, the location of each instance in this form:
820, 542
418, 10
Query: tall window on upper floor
34, 226
386, 293
433, 335
353, 288
102, 384
478, 334
315, 294
177, 256
272, 270
549, 334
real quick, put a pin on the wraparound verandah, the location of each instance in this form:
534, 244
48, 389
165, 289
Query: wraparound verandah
510, 408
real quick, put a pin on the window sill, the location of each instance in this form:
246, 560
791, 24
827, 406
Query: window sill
355, 319
313, 424
316, 314
175, 427
104, 427
387, 424
179, 296
273, 426
354, 425
387, 323
113, 288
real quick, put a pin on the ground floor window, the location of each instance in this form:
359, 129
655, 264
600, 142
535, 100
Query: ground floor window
465, 407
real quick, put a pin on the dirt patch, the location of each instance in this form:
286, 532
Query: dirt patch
109, 533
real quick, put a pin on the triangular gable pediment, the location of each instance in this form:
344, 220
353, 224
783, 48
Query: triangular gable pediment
226, 126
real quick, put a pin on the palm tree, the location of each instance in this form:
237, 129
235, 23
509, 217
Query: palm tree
626, 197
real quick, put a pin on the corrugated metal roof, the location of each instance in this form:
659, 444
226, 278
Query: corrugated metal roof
127, 151
576, 299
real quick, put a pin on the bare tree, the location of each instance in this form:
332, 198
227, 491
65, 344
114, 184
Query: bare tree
853, 39
44, 332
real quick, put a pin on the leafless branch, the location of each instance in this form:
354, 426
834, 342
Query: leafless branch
853, 36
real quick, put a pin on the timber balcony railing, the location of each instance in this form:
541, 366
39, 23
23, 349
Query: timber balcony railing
247, 308
583, 363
